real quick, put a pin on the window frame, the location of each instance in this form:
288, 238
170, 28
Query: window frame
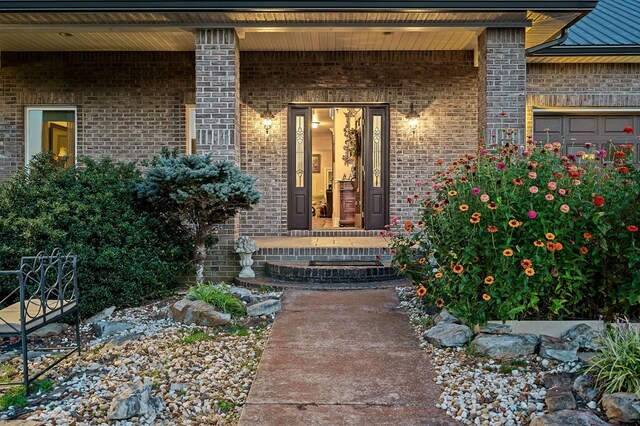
28, 155
189, 128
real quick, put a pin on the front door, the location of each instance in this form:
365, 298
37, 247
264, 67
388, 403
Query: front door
372, 180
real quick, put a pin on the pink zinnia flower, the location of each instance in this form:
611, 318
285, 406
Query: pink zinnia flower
532, 214
533, 175
564, 208
580, 154
475, 191
548, 146
552, 186
562, 191
576, 182
501, 166
533, 190
526, 154
484, 198
549, 197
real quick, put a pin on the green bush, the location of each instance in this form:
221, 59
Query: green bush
517, 232
616, 366
220, 297
125, 255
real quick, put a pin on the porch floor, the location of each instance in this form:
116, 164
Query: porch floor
321, 242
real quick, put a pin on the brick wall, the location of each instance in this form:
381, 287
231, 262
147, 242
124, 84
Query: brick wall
130, 104
501, 79
442, 86
582, 85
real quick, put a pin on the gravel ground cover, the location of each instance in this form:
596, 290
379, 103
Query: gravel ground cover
196, 375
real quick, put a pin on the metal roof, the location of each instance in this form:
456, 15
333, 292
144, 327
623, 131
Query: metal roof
266, 5
611, 23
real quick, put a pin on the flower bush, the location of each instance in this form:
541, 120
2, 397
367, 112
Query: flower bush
524, 231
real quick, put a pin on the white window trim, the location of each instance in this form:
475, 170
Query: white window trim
188, 128
27, 154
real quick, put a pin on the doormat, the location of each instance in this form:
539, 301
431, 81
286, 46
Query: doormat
345, 263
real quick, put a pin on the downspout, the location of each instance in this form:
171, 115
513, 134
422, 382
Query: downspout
564, 34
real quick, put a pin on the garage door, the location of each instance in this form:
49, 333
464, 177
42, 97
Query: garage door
578, 129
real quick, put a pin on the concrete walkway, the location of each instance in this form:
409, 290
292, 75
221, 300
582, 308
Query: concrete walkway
343, 358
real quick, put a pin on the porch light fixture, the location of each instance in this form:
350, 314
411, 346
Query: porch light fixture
315, 124
413, 118
267, 119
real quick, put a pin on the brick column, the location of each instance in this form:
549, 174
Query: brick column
502, 81
218, 127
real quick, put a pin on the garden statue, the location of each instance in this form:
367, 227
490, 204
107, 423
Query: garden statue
245, 247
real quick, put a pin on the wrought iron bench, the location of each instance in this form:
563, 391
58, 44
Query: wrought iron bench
47, 291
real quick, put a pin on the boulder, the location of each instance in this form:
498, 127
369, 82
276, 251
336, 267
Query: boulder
623, 407
496, 329
505, 346
197, 312
121, 340
445, 316
584, 386
559, 380
267, 307
448, 335
50, 330
568, 418
560, 398
109, 328
255, 298
563, 350
134, 403
586, 337
242, 293
106, 313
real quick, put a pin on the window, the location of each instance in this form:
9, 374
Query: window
51, 129
191, 130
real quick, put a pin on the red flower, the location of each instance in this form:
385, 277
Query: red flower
628, 130
598, 201
619, 154
632, 228
623, 169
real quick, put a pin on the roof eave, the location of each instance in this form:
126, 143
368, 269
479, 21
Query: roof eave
626, 50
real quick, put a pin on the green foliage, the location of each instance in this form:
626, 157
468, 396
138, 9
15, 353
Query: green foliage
7, 371
218, 296
197, 193
238, 330
616, 366
125, 255
509, 234
194, 335
225, 405
16, 396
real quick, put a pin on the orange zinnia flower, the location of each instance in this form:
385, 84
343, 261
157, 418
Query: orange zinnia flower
529, 272
632, 228
492, 206
507, 252
403, 267
486, 297
538, 243
551, 246
514, 223
492, 229
463, 207
587, 236
421, 223
421, 291
453, 193
476, 214
438, 275
489, 280
584, 250
526, 263
439, 303
558, 246
474, 220
408, 226
550, 236
422, 260
458, 269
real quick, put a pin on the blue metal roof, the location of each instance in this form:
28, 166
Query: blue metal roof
611, 23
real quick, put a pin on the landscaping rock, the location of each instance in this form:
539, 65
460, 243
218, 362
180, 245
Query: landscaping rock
586, 337
50, 330
256, 298
109, 328
560, 398
242, 293
505, 346
136, 402
562, 350
559, 380
197, 312
496, 329
567, 418
446, 317
106, 313
448, 335
622, 407
586, 357
584, 387
267, 307
121, 340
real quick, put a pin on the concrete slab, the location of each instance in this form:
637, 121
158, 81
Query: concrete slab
349, 358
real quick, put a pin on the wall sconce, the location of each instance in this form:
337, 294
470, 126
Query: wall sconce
413, 118
267, 119
315, 124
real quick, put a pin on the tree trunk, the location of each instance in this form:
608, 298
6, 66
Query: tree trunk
200, 256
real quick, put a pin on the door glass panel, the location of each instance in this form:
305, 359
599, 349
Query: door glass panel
377, 151
54, 131
191, 130
299, 151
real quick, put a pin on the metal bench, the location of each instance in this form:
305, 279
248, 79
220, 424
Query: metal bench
47, 291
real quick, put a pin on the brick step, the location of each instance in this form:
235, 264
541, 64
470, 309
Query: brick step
280, 285
355, 272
